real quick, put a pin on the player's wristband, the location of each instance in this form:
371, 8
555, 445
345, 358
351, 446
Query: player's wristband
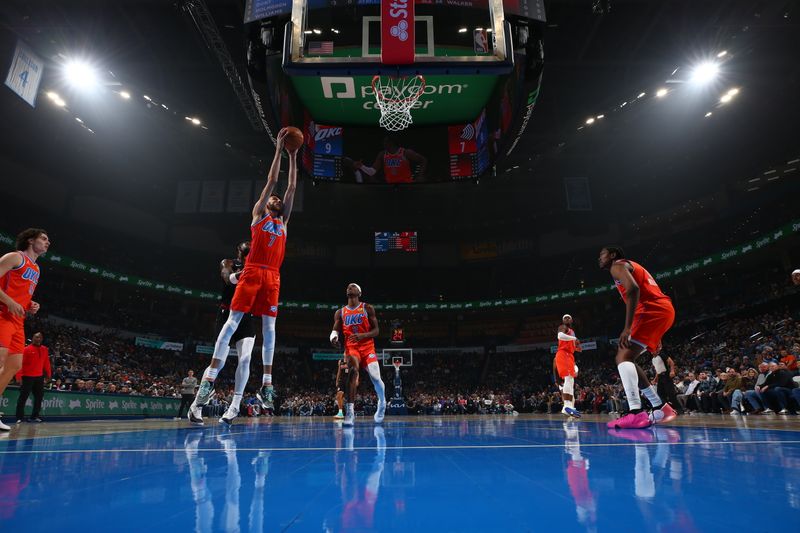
234, 278
334, 336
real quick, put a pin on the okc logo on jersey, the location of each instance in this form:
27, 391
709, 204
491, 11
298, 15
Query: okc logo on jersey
393, 162
31, 275
272, 227
353, 320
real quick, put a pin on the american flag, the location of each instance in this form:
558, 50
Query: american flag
320, 48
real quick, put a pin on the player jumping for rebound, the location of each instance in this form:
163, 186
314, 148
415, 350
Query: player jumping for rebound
649, 315
359, 326
244, 337
564, 365
19, 275
259, 283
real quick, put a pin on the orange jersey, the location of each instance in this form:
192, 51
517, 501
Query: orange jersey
20, 283
567, 346
268, 243
649, 292
396, 167
357, 321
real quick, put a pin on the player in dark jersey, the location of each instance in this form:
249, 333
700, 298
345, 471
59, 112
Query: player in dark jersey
244, 338
258, 287
649, 315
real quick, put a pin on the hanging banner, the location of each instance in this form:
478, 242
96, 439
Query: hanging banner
25, 73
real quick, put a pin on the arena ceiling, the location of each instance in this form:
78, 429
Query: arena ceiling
648, 156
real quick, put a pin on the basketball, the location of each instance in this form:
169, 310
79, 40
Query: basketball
294, 138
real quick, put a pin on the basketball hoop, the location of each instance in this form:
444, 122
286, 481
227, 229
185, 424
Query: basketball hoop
395, 97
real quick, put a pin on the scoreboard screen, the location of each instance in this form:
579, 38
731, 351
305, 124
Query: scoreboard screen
401, 241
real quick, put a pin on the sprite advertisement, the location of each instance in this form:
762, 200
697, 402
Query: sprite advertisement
350, 100
78, 404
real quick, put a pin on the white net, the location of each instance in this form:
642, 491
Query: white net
395, 97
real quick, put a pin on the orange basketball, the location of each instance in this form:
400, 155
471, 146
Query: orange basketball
294, 138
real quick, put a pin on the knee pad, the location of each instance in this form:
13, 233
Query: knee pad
569, 386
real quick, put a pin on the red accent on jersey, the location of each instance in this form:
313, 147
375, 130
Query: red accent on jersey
20, 283
268, 243
357, 321
649, 292
396, 168
567, 346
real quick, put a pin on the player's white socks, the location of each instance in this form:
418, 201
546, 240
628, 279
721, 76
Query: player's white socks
266, 379
569, 403
630, 382
211, 374
652, 397
236, 401
268, 331
244, 347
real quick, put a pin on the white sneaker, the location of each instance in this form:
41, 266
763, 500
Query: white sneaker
230, 413
349, 416
380, 412
735, 412
195, 414
767, 411
783, 412
4, 427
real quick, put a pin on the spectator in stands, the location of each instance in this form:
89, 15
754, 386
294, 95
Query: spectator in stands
754, 396
704, 389
731, 397
778, 387
35, 369
790, 360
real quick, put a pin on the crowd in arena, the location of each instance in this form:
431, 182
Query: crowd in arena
738, 365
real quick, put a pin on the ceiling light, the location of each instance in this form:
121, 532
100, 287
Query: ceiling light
59, 102
78, 120
590, 120
125, 94
723, 53
600, 116
709, 114
147, 98
705, 72
196, 121
726, 98
733, 92
165, 107
641, 95
462, 30
80, 74
52, 96
318, 32
661, 93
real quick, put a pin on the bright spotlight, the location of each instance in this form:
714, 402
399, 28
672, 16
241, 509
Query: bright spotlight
723, 53
709, 114
147, 98
733, 92
600, 116
462, 30
59, 102
80, 74
196, 121
590, 120
641, 95
52, 96
705, 72
661, 93
125, 94
726, 98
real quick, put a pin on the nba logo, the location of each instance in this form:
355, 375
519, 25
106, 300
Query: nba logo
481, 41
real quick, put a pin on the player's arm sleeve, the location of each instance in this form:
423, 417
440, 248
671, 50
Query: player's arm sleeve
291, 187
376, 166
564, 337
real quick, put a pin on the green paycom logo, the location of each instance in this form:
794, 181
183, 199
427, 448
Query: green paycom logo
343, 100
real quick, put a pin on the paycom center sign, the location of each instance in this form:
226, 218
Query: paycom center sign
350, 100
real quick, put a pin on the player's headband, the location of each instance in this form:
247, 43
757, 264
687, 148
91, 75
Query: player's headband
358, 287
566, 316
796, 271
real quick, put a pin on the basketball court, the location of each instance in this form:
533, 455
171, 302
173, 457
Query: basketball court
525, 473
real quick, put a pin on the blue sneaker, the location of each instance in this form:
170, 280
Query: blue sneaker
570, 411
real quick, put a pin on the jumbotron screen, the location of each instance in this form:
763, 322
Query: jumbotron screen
401, 241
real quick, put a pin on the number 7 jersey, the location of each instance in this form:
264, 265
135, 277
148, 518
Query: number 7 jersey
267, 243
